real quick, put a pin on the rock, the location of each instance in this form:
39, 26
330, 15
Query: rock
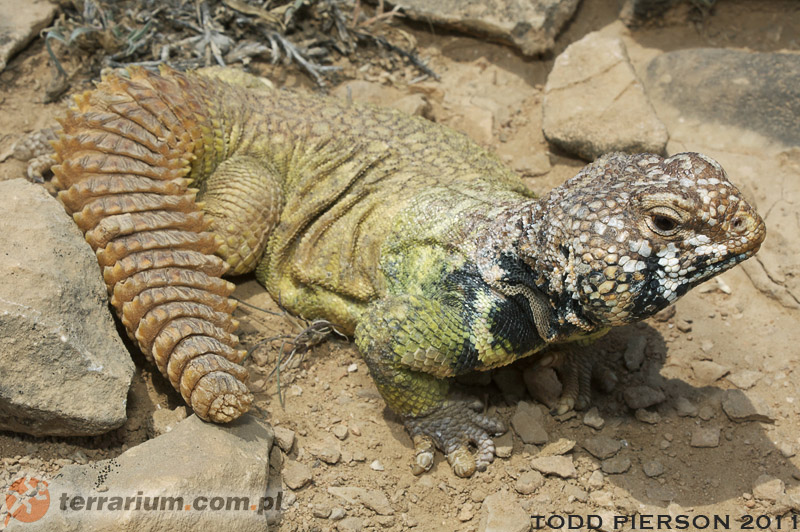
504, 514
296, 475
561, 466
375, 500
466, 513
602, 447
196, 465
646, 416
557, 448
164, 420
739, 408
594, 103
683, 326
337, 514
528, 482
542, 384
642, 397
705, 437
350, 524
706, 412
708, 372
376, 465
413, 104
340, 431
596, 480
616, 465
744, 379
634, 352
326, 453
768, 488
786, 449
504, 445
65, 371
593, 419
284, 438
527, 423
323, 511
532, 164
685, 408
21, 26
755, 91
653, 468
530, 25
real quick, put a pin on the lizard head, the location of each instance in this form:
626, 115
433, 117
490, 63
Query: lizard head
637, 232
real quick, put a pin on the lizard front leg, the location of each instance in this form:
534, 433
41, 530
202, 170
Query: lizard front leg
412, 346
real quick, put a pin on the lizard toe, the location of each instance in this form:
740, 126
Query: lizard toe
423, 454
452, 428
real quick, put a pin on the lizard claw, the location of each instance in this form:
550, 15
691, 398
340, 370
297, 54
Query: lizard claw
575, 370
451, 428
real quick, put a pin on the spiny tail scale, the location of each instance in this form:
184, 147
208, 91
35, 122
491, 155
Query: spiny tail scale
126, 161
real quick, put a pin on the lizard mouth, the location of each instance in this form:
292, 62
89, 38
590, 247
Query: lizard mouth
710, 269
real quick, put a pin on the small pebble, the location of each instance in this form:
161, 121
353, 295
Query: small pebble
685, 407
593, 419
340, 431
352, 368
376, 466
296, 475
653, 468
285, 438
768, 488
642, 397
634, 352
616, 465
706, 412
596, 480
528, 482
466, 513
602, 447
504, 445
337, 514
321, 510
561, 466
646, 416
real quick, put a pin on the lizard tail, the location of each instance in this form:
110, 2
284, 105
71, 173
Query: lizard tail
126, 161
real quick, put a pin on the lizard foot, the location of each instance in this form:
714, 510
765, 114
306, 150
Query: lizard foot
451, 428
575, 370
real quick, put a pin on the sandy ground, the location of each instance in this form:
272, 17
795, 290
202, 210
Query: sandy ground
730, 321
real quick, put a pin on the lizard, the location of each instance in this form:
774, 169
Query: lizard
404, 234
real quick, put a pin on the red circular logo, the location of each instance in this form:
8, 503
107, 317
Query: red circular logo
27, 500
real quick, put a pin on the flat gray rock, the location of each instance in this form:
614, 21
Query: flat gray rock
190, 470
642, 396
595, 104
755, 91
65, 370
19, 26
530, 25
504, 513
740, 408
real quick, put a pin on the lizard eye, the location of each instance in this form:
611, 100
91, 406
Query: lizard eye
664, 223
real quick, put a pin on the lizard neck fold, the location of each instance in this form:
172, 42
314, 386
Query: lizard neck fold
531, 261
